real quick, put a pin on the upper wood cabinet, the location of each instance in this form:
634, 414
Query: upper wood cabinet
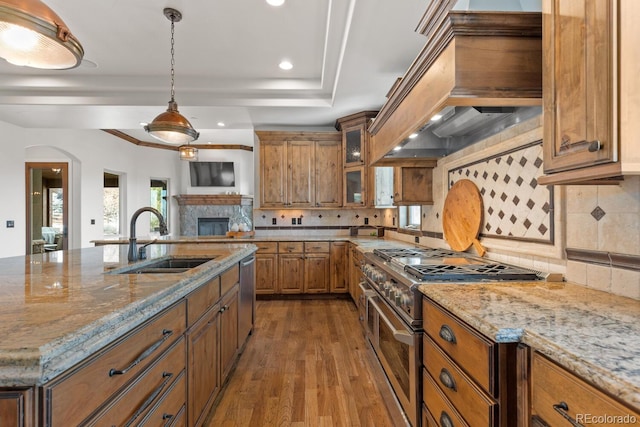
591, 90
363, 186
413, 186
300, 169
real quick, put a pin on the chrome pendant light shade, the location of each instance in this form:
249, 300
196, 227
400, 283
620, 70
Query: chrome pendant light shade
33, 35
171, 126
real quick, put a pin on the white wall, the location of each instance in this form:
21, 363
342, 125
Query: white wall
95, 151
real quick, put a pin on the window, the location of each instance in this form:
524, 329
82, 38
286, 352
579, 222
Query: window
111, 205
409, 217
158, 201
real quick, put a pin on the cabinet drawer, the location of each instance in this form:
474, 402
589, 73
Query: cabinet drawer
199, 301
133, 403
316, 247
267, 247
171, 408
470, 350
444, 415
474, 405
78, 393
552, 384
229, 278
290, 247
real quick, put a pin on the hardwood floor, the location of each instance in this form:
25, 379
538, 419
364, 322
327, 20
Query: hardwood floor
307, 364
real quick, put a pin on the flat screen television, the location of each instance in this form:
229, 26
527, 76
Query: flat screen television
212, 174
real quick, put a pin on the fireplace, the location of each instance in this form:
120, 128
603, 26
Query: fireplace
208, 214
213, 226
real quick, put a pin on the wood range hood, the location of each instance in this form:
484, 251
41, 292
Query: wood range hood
482, 69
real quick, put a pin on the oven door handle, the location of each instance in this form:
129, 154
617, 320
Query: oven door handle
401, 335
366, 291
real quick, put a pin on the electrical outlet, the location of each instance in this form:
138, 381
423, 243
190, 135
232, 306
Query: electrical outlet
299, 221
273, 221
366, 221
10, 224
93, 221
293, 221
417, 239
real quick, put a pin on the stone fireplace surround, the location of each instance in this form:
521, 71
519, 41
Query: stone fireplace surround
194, 206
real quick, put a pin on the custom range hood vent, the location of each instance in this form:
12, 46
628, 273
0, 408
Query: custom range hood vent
479, 73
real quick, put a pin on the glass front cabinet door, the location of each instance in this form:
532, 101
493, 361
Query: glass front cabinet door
353, 147
354, 187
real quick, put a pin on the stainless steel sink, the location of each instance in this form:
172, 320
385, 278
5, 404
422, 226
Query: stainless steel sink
167, 265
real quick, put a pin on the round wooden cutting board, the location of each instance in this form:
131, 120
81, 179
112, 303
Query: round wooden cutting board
462, 216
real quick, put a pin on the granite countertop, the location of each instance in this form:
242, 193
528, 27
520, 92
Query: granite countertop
224, 239
592, 333
60, 307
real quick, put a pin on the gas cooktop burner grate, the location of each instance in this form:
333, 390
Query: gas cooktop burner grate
448, 273
389, 254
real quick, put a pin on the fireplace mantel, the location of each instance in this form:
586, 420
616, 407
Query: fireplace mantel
214, 199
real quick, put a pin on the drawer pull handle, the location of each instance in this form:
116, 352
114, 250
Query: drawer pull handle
447, 380
167, 378
446, 333
595, 146
561, 408
445, 420
166, 333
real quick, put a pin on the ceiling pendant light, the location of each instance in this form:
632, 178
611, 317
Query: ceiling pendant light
171, 126
188, 153
33, 35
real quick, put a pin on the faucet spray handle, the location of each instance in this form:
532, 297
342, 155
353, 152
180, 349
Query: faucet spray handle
142, 250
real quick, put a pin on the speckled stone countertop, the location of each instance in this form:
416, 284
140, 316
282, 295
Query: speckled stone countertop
60, 307
224, 239
592, 333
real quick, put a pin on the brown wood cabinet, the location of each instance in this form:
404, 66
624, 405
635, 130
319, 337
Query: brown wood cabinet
75, 396
467, 378
229, 345
412, 186
266, 268
591, 90
300, 169
317, 267
363, 186
339, 259
16, 407
204, 372
557, 396
290, 267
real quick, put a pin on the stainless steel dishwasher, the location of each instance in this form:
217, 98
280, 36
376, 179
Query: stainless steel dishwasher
246, 311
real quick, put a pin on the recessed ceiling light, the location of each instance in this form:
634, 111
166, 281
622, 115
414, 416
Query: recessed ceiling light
285, 65
221, 124
413, 135
275, 2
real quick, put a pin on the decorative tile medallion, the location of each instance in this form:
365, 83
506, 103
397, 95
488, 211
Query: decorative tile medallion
515, 206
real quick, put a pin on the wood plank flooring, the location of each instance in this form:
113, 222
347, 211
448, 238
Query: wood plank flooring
307, 364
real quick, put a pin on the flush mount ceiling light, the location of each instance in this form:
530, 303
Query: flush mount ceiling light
171, 126
33, 35
275, 2
285, 65
188, 153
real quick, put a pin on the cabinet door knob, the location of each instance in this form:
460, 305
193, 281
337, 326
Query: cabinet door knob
595, 146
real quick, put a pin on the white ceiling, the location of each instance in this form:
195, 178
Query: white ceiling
346, 54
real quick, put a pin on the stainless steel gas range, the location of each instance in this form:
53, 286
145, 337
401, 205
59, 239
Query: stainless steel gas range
393, 306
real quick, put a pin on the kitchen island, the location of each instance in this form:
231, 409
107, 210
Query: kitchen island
61, 308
